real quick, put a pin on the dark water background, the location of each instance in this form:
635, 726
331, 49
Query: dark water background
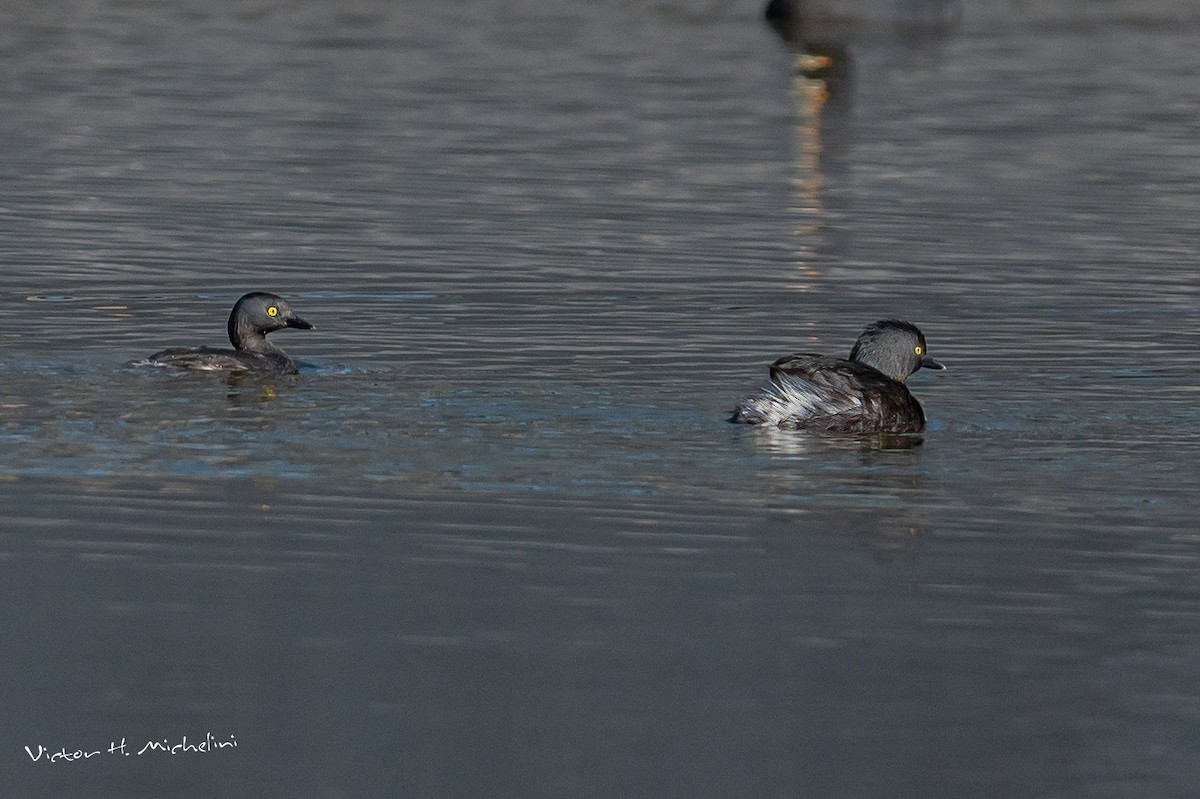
496, 539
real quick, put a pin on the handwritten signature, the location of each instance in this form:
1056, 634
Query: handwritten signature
166, 746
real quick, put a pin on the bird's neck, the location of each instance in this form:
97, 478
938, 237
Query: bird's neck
246, 339
882, 362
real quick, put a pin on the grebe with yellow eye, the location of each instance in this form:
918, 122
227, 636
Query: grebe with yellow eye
864, 394
253, 317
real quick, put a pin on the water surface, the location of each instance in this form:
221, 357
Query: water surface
497, 539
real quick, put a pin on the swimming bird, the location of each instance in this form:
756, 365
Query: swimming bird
865, 393
254, 316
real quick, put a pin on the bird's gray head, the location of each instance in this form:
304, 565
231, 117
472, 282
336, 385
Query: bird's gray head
893, 347
257, 314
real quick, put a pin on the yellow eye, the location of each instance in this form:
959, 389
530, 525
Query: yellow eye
917, 350
273, 311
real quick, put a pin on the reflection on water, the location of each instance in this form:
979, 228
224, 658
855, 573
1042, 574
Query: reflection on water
496, 538
799, 443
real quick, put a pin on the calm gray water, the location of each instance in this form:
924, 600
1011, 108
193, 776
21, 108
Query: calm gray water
496, 539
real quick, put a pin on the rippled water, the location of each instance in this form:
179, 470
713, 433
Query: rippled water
496, 539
